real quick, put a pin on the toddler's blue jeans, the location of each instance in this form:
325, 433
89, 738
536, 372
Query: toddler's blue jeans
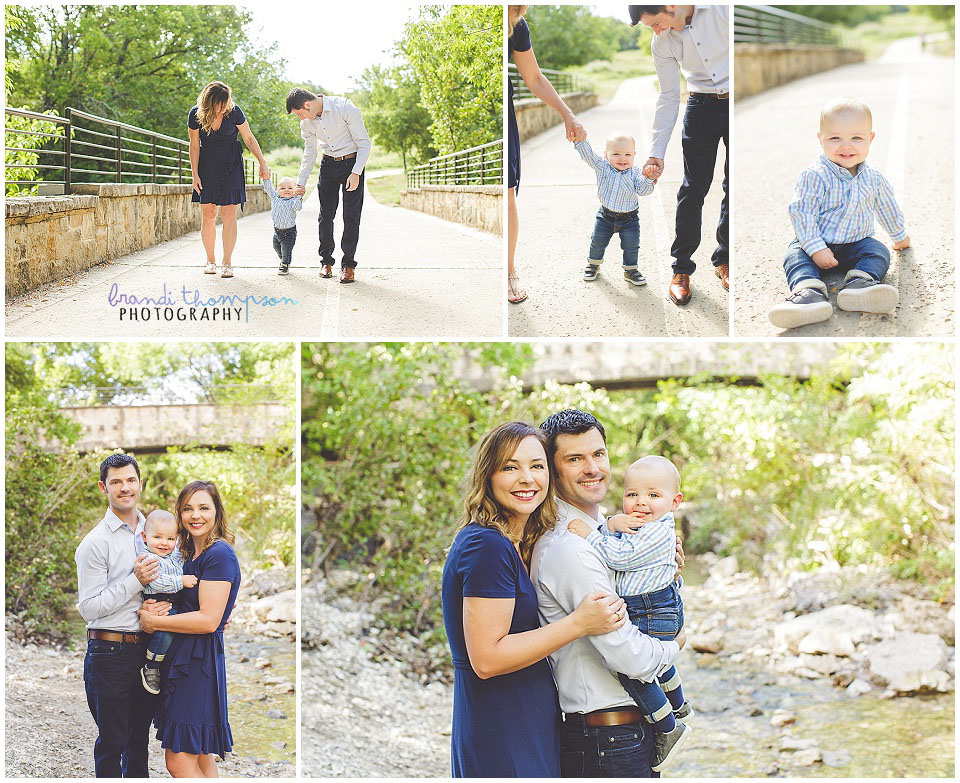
608, 223
160, 641
866, 255
283, 241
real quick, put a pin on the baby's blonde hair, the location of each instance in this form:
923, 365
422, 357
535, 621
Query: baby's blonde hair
159, 515
291, 180
616, 136
660, 465
845, 104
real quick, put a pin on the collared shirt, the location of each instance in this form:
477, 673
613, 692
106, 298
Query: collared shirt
283, 210
108, 592
831, 206
564, 569
645, 560
617, 190
702, 51
170, 578
338, 131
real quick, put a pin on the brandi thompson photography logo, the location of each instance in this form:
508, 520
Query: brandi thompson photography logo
188, 304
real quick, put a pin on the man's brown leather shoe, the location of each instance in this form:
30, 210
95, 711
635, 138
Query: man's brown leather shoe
346, 275
723, 272
680, 289
326, 270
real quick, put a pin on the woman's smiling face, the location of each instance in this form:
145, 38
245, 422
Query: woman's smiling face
521, 484
199, 514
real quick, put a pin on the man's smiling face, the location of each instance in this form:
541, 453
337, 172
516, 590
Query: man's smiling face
122, 488
583, 469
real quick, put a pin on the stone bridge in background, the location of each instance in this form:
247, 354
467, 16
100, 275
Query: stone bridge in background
636, 365
152, 429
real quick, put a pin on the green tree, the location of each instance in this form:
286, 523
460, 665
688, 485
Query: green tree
456, 54
565, 35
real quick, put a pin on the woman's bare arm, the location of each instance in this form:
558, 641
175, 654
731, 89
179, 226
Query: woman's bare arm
213, 602
538, 84
254, 146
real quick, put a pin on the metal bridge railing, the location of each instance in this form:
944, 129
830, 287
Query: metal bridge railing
482, 165
85, 149
182, 394
563, 82
764, 24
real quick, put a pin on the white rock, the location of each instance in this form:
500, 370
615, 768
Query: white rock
859, 687
910, 662
825, 664
858, 624
706, 642
782, 718
725, 567
832, 640
280, 607
791, 744
807, 757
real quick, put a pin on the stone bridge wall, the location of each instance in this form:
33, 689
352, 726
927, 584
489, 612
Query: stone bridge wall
534, 116
49, 238
480, 206
758, 67
146, 428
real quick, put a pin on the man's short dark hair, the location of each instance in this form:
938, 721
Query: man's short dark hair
297, 97
571, 422
638, 11
117, 461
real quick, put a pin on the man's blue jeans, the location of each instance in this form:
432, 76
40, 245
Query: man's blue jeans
867, 255
608, 223
606, 751
120, 706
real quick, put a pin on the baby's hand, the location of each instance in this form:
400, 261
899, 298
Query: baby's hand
578, 527
264, 174
623, 523
189, 580
903, 244
824, 258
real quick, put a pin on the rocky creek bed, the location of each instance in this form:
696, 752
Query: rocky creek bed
49, 730
842, 673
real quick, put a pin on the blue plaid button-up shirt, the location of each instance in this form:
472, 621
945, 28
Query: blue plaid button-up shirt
170, 578
831, 206
644, 561
617, 190
283, 210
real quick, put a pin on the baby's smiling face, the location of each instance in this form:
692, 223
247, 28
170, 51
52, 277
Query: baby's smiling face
845, 137
286, 187
620, 153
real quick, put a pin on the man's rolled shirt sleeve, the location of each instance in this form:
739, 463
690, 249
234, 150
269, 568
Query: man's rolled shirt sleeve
309, 152
804, 212
668, 103
625, 650
96, 598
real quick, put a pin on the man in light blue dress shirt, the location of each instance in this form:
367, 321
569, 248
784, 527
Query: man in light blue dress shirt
694, 40
335, 126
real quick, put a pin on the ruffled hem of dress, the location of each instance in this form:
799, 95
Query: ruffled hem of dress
236, 196
192, 738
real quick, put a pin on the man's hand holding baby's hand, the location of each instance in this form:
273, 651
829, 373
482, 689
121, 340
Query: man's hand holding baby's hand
653, 168
578, 527
623, 523
903, 244
299, 190
189, 580
146, 568
824, 258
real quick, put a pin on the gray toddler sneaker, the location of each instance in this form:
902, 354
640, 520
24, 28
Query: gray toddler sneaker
861, 293
634, 276
667, 746
684, 712
808, 304
591, 272
151, 680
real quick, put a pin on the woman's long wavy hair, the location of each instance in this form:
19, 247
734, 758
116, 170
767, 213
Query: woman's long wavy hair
220, 530
514, 14
211, 100
479, 505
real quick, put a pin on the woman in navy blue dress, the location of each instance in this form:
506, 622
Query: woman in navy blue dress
521, 52
213, 126
191, 719
505, 711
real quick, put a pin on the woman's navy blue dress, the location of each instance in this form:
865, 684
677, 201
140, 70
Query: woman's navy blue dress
192, 715
519, 42
508, 725
220, 167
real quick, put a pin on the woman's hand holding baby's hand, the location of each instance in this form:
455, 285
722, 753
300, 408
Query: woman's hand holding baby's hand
578, 527
824, 258
903, 244
574, 130
189, 580
600, 613
623, 523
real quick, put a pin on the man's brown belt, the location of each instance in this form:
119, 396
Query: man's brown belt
612, 718
113, 636
342, 157
720, 96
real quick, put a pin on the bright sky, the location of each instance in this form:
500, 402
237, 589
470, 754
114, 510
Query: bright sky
330, 43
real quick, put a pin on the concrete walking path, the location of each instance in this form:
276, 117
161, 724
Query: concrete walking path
418, 277
557, 203
911, 96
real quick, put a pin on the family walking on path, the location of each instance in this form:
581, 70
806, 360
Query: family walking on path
329, 125
157, 590
692, 40
534, 574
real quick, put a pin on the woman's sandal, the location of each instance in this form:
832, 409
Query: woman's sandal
227, 271
515, 295
210, 268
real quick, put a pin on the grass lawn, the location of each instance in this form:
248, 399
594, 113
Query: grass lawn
386, 190
607, 74
877, 35
285, 161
